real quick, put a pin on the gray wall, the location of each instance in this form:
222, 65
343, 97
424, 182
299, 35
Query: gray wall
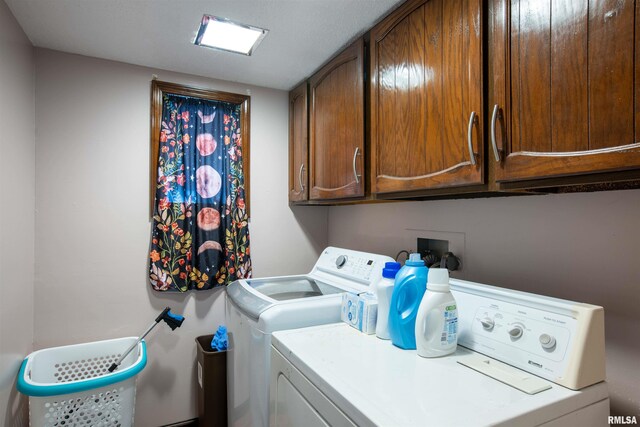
92, 176
582, 247
17, 200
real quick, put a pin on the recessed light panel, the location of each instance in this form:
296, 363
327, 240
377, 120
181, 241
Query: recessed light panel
222, 34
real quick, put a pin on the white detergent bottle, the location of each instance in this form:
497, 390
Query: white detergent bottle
437, 320
384, 292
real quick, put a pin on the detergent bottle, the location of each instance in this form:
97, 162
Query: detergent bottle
410, 285
384, 292
437, 322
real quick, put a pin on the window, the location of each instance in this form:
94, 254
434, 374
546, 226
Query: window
158, 89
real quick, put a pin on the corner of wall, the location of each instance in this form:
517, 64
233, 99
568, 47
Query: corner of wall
17, 220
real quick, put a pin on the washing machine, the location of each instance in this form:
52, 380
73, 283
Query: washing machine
522, 360
258, 307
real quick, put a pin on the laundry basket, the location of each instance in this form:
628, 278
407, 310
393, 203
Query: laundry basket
71, 386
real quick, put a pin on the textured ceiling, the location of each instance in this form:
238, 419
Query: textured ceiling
303, 34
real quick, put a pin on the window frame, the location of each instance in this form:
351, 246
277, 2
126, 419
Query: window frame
158, 89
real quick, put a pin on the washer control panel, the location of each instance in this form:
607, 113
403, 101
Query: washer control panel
360, 267
353, 265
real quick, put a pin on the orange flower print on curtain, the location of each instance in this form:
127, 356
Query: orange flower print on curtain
200, 234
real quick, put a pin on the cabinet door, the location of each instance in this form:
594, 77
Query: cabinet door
426, 97
565, 94
337, 127
298, 167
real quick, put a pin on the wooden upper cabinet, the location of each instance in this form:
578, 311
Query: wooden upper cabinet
563, 87
426, 97
298, 144
336, 127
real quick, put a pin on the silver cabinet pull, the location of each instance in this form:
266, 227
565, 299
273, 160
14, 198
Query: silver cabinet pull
494, 118
472, 155
355, 172
300, 177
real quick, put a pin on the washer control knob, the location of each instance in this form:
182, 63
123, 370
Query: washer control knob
516, 332
487, 323
547, 341
341, 261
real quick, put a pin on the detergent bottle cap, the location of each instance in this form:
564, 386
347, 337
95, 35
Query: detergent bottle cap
414, 260
438, 280
390, 270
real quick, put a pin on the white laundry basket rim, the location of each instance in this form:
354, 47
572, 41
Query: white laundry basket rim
29, 387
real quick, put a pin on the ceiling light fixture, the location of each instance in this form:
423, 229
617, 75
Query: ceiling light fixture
223, 34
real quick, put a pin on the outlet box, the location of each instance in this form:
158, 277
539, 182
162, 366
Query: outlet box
435, 246
439, 242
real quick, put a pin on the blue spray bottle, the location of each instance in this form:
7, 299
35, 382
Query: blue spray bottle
410, 285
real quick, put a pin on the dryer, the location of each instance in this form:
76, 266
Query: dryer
522, 360
258, 307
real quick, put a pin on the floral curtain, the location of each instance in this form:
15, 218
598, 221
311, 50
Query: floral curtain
200, 236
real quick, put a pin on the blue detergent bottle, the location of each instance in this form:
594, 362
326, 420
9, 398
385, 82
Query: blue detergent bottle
410, 285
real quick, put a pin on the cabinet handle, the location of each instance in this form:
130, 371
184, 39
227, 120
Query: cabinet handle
494, 118
300, 177
472, 155
355, 172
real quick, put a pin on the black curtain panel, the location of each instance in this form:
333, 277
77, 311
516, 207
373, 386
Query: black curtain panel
200, 234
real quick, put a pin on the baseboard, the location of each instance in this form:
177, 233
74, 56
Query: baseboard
187, 423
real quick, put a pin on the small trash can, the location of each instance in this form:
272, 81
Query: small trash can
212, 384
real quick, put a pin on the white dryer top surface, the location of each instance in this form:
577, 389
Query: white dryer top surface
376, 383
